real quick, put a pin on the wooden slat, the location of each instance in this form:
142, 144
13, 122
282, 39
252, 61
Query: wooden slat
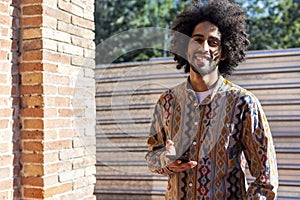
126, 95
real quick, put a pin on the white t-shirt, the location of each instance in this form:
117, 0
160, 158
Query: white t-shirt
202, 95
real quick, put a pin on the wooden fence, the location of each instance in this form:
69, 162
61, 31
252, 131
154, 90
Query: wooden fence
126, 95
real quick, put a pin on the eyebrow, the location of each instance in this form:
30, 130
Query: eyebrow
199, 35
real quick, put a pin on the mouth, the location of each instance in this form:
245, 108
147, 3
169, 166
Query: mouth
201, 57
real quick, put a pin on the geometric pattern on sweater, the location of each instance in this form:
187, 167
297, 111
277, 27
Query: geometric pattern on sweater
222, 133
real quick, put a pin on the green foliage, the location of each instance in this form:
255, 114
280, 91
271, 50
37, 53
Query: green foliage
273, 24
114, 16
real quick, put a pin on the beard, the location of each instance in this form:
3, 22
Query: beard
202, 63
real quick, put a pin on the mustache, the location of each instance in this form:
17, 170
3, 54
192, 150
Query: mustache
206, 55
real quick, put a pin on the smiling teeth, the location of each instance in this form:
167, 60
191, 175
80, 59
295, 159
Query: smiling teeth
201, 57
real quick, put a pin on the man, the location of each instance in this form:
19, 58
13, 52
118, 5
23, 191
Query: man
206, 130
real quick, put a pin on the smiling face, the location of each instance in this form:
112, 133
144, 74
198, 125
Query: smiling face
204, 49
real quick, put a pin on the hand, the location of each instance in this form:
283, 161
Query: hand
170, 147
179, 166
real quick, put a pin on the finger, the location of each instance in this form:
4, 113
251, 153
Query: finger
192, 164
180, 168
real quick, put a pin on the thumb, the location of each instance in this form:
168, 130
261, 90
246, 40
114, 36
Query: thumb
192, 164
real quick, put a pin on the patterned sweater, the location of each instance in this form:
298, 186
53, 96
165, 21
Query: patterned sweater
226, 133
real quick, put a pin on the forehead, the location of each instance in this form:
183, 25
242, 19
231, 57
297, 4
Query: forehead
206, 28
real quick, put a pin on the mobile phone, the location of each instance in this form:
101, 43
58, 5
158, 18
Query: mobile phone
183, 159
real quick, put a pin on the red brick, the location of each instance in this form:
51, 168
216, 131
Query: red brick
32, 112
32, 181
24, 2
33, 78
32, 44
33, 146
31, 90
28, 67
33, 124
32, 101
35, 55
37, 193
32, 10
33, 135
33, 170
32, 33
31, 158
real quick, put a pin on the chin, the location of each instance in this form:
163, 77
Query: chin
203, 70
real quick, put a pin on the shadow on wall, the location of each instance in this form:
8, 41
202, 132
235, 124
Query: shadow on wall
15, 95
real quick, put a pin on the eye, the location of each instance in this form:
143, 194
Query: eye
198, 40
214, 43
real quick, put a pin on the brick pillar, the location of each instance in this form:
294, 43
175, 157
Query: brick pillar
9, 100
57, 99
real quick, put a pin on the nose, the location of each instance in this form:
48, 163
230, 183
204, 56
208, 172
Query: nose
204, 47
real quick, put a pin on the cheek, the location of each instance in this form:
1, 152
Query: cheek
216, 54
191, 47
190, 50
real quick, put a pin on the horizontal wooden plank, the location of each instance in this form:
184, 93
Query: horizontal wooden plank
126, 96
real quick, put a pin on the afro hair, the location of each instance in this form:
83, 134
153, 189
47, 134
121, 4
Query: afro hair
228, 17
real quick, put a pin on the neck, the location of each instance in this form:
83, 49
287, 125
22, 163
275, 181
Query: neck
203, 83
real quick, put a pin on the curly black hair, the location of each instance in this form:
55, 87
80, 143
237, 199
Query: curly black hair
228, 17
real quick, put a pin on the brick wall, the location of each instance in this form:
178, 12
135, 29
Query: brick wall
9, 100
47, 106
